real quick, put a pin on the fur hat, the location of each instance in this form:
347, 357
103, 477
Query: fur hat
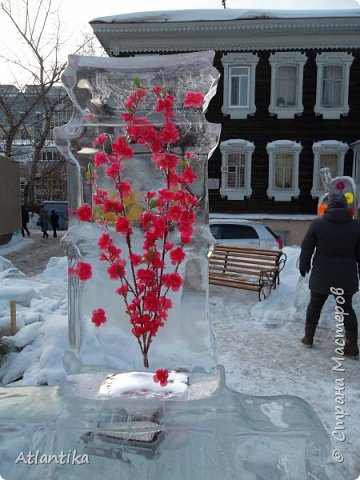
337, 200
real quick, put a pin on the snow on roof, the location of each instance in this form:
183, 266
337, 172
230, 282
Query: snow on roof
207, 15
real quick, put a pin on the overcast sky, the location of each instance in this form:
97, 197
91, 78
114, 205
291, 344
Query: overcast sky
76, 14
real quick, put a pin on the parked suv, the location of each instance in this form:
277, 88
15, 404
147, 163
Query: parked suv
243, 233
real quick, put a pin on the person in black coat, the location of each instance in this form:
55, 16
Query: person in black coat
54, 220
335, 238
25, 221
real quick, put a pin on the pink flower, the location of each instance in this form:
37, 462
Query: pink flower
123, 226
188, 176
117, 269
82, 270
193, 99
123, 290
340, 185
98, 317
113, 206
100, 196
100, 159
100, 140
173, 281
177, 255
169, 133
84, 213
161, 376
122, 148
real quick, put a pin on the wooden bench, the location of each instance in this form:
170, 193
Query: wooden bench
252, 269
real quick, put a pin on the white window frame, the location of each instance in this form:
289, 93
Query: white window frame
322, 148
250, 61
356, 165
285, 147
287, 59
327, 59
241, 147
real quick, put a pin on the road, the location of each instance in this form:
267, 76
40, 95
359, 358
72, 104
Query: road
33, 259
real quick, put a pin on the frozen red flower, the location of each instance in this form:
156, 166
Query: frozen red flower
98, 317
104, 241
125, 188
193, 99
123, 226
161, 376
146, 276
123, 290
99, 140
172, 280
117, 269
100, 159
188, 176
135, 259
122, 148
177, 255
84, 213
169, 134
166, 160
158, 90
100, 196
82, 270
113, 206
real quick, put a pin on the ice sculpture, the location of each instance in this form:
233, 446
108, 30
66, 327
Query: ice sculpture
116, 421
343, 184
205, 432
98, 89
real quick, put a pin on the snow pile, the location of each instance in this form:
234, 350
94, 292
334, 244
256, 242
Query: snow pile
257, 342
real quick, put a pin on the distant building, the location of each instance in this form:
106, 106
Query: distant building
288, 101
51, 183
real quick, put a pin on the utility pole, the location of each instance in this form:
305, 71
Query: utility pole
224, 3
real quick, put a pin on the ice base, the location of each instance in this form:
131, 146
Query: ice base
206, 432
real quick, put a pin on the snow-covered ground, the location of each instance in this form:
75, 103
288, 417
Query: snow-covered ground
257, 342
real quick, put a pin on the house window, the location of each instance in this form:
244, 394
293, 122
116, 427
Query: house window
332, 88
236, 169
239, 84
331, 154
283, 184
286, 84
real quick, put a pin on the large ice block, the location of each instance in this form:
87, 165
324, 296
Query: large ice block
98, 88
205, 432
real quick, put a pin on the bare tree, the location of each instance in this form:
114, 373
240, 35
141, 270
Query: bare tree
32, 110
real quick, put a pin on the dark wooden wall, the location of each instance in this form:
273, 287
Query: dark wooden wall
263, 128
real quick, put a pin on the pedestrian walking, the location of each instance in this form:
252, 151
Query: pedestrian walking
25, 221
335, 239
44, 222
54, 220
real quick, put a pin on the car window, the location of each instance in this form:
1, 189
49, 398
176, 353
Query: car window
275, 235
215, 231
238, 231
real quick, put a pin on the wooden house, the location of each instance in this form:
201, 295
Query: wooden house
288, 100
